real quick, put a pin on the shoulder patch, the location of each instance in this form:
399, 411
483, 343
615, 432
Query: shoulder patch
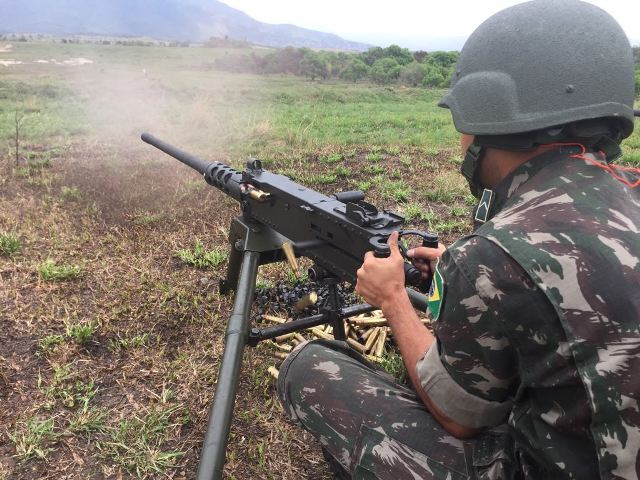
484, 207
436, 294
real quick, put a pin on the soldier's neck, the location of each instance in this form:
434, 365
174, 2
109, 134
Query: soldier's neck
498, 164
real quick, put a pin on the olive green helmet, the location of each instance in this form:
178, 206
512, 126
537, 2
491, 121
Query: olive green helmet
540, 64
543, 71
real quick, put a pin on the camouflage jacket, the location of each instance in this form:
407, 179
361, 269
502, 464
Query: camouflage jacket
538, 320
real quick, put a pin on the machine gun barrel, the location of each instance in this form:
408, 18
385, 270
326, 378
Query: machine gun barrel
216, 174
192, 161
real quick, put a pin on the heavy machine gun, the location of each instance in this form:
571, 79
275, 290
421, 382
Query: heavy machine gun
281, 218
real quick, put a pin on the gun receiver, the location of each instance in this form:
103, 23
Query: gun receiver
334, 231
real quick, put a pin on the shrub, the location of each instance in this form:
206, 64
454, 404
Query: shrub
413, 74
356, 70
385, 71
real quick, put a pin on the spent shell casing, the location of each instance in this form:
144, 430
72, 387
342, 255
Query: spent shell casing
321, 333
285, 337
307, 301
290, 255
371, 339
379, 346
259, 195
271, 318
356, 345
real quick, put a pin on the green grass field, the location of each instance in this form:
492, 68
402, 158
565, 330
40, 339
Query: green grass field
110, 251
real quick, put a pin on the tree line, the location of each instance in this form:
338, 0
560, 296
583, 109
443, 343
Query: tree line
383, 66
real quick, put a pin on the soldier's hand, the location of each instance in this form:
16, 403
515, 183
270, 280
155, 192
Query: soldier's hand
380, 280
425, 259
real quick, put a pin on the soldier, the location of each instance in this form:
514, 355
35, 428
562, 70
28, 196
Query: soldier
531, 371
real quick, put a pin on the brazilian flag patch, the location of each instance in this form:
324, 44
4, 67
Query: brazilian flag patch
436, 294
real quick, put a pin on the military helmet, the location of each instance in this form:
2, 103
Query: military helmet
541, 64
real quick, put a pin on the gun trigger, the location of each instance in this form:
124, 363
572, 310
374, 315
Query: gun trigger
428, 239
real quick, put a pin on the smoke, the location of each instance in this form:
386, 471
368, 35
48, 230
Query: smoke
114, 90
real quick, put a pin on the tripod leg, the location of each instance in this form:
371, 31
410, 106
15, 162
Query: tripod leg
233, 270
212, 456
334, 305
338, 329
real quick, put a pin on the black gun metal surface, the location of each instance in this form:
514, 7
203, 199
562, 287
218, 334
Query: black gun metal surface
334, 234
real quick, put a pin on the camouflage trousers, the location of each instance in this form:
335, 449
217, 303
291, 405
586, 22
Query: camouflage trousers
375, 427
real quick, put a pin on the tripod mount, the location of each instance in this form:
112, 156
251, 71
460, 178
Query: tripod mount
254, 244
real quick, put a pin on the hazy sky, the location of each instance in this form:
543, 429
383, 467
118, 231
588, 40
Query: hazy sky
414, 24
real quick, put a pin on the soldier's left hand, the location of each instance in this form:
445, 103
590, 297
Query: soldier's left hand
380, 280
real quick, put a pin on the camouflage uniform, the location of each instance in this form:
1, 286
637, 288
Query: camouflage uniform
538, 326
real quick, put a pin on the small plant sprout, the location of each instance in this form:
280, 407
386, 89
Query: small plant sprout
264, 284
50, 271
70, 193
374, 157
406, 160
342, 172
322, 179
375, 169
393, 364
137, 443
363, 186
50, 342
9, 244
458, 211
148, 219
82, 332
412, 211
30, 438
332, 158
200, 258
127, 342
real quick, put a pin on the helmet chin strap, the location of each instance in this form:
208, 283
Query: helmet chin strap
470, 167
596, 135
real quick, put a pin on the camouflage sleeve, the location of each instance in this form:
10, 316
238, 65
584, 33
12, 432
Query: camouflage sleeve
473, 361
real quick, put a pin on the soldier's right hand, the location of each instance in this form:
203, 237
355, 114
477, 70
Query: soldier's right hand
425, 259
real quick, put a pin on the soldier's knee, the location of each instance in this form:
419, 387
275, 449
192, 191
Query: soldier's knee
301, 373
296, 368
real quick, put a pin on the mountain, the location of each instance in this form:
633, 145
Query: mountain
183, 20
